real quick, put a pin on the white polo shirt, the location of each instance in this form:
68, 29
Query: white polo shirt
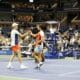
14, 37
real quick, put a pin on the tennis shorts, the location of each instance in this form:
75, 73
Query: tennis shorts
38, 49
15, 48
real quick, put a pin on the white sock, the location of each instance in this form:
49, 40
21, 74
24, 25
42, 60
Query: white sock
41, 63
38, 65
9, 63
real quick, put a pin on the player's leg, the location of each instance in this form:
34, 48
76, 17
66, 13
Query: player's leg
35, 54
43, 52
36, 57
43, 58
20, 59
11, 59
19, 56
39, 59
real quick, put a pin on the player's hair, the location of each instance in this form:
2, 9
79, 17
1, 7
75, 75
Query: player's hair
14, 24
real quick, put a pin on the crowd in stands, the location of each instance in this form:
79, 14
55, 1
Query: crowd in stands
24, 18
69, 37
67, 30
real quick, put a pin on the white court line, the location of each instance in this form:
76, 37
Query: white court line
18, 77
69, 73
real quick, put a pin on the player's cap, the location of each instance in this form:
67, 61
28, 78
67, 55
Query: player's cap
15, 24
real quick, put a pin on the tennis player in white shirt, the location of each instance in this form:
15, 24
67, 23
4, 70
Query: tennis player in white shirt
15, 47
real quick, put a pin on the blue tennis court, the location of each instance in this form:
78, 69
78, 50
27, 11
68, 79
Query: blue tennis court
53, 69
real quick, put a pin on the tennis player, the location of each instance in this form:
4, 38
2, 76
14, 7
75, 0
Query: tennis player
38, 47
15, 47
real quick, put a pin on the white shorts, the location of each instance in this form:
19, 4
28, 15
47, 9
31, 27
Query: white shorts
38, 49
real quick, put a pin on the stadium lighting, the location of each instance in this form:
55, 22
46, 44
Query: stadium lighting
31, 0
51, 22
